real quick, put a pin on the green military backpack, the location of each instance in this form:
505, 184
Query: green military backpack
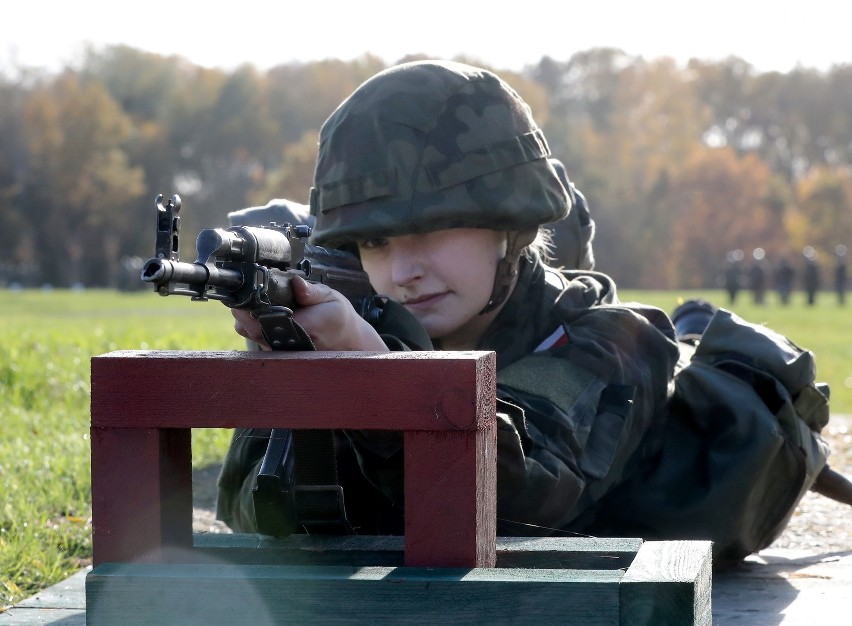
738, 449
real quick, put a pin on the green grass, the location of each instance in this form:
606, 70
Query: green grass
48, 338
46, 343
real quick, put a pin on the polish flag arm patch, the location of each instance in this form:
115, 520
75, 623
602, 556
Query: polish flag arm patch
557, 338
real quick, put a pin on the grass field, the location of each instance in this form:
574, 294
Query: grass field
46, 342
48, 338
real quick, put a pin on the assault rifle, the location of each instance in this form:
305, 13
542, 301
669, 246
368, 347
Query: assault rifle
251, 267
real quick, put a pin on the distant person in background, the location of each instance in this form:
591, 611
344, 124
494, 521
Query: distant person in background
810, 275
784, 275
732, 274
840, 273
757, 276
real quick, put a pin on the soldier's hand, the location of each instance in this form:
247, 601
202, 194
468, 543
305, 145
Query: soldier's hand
331, 321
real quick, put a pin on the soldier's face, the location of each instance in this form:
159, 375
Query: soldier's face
444, 278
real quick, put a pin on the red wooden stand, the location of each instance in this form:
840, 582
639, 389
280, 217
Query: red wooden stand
145, 403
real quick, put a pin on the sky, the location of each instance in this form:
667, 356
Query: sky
771, 36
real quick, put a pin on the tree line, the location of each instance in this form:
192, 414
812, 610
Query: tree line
680, 163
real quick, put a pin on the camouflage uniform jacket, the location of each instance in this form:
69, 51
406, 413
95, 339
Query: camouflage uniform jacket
580, 379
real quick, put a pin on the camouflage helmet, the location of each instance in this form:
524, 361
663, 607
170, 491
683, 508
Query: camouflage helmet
431, 145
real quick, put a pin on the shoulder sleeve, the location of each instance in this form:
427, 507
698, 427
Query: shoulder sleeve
579, 415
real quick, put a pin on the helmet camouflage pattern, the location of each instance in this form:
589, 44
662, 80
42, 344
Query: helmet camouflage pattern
430, 145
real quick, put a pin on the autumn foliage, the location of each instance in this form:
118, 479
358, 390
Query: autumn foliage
680, 164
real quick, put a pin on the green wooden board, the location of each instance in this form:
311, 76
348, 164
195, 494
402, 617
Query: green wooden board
661, 583
148, 593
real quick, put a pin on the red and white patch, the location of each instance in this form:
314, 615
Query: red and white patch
557, 338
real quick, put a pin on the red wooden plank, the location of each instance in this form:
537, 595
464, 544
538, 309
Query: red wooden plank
450, 503
141, 494
398, 391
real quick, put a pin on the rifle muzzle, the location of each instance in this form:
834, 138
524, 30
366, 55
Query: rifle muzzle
162, 272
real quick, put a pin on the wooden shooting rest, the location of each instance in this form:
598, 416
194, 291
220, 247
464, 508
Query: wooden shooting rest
449, 567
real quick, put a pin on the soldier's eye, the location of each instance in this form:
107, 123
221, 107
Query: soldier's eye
371, 244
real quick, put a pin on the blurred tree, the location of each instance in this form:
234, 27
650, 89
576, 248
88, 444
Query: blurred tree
13, 222
794, 121
581, 94
835, 119
719, 203
634, 135
241, 141
169, 103
726, 88
140, 82
292, 179
76, 176
825, 199
655, 123
302, 96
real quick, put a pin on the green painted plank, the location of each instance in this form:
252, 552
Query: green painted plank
262, 594
665, 583
669, 582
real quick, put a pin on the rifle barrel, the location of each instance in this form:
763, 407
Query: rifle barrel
162, 272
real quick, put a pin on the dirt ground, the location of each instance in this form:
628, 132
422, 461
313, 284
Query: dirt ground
818, 525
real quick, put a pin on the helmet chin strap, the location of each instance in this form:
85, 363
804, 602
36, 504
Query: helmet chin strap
507, 268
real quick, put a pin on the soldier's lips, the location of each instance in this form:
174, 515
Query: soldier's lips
426, 301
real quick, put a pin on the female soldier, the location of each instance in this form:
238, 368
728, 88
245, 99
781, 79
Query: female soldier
436, 174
